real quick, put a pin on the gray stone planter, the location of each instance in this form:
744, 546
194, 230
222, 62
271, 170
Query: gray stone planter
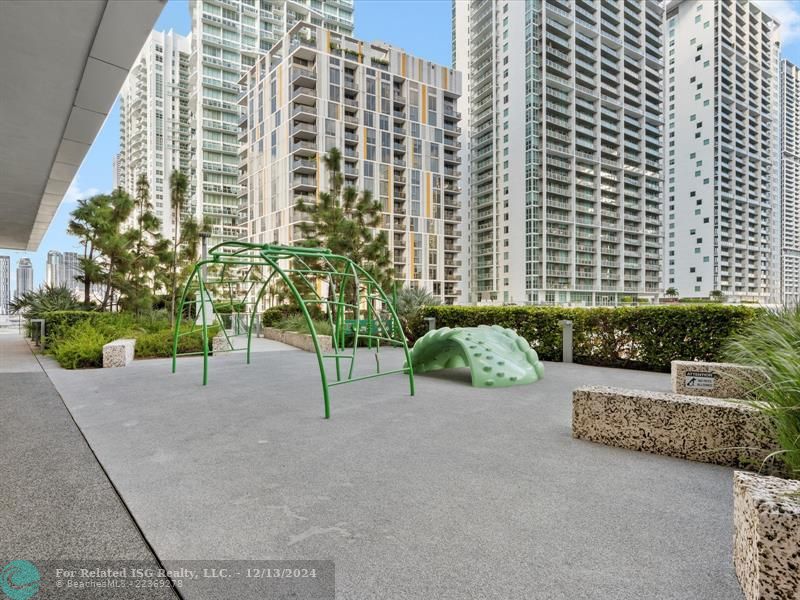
766, 547
302, 341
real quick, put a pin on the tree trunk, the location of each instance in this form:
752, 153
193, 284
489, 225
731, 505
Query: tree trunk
174, 270
87, 284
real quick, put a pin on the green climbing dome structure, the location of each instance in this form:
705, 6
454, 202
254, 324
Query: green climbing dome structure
496, 356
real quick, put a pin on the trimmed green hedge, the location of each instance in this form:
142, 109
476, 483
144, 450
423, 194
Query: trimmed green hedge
644, 337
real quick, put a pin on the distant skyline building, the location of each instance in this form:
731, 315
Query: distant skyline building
155, 125
5, 284
723, 152
790, 183
54, 269
562, 138
72, 270
24, 276
228, 36
392, 116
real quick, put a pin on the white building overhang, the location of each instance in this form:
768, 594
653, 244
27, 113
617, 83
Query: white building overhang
63, 63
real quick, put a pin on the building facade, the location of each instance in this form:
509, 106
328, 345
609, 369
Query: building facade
790, 183
395, 121
723, 151
72, 269
5, 284
54, 269
155, 127
563, 146
24, 276
228, 37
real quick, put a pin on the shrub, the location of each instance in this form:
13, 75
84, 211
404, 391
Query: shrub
274, 315
81, 346
297, 322
644, 337
158, 344
772, 342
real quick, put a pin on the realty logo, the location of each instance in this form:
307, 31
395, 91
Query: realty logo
19, 580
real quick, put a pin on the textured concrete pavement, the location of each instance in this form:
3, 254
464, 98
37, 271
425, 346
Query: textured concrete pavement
56, 503
456, 493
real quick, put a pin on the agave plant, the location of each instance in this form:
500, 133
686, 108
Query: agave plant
772, 342
33, 304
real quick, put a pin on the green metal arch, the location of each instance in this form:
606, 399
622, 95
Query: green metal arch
334, 267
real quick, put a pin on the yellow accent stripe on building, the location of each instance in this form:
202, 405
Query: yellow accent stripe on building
427, 194
328, 39
403, 64
391, 191
444, 77
360, 52
424, 98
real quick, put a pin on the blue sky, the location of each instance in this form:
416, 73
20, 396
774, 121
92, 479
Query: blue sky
421, 27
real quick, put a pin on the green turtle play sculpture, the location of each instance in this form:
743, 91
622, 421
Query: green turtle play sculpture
496, 356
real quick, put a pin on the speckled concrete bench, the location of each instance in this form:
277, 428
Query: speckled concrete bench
696, 428
766, 547
118, 353
715, 380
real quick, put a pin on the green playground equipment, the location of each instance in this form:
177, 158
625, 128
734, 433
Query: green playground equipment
226, 289
496, 356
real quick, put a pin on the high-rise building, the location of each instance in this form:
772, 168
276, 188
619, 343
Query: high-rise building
72, 269
790, 183
394, 119
155, 128
228, 36
563, 139
54, 269
24, 276
5, 284
723, 181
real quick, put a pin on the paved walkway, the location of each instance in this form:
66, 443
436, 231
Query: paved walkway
456, 493
56, 502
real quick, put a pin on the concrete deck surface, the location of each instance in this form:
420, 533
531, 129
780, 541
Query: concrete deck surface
455, 493
56, 503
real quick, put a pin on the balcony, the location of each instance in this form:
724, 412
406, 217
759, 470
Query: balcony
303, 131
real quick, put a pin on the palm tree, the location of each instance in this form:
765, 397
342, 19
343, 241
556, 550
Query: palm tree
671, 292
178, 184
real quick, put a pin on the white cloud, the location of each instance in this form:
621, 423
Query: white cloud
75, 193
787, 12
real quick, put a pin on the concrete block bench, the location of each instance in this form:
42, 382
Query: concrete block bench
691, 427
118, 353
766, 546
715, 380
